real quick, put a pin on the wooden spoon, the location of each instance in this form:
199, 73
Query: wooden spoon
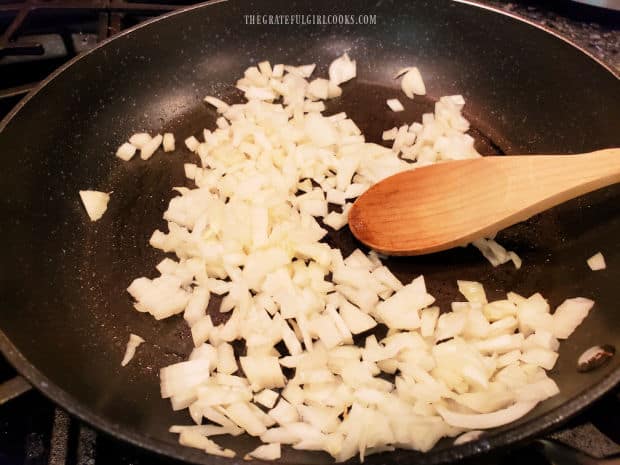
449, 204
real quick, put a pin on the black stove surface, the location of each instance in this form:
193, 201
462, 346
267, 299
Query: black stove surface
40, 35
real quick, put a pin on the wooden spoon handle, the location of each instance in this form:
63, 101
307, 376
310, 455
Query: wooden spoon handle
545, 181
449, 204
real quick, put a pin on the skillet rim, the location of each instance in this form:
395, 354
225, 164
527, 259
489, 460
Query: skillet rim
62, 398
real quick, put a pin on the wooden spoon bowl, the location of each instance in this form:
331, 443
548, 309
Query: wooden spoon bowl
449, 204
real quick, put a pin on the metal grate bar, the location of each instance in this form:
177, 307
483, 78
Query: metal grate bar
87, 440
13, 388
87, 5
60, 438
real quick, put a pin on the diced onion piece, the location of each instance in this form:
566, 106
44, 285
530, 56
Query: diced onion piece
473, 291
336, 221
266, 397
226, 362
95, 203
162, 297
168, 142
401, 310
395, 105
544, 358
140, 139
538, 390
278, 71
195, 439
284, 413
197, 305
242, 415
428, 320
389, 134
263, 372
126, 151
148, 149
412, 82
597, 262
190, 170
304, 71
265, 452
333, 90
356, 320
467, 437
569, 315
220, 105
342, 69
132, 345
319, 89
192, 143
486, 420
201, 330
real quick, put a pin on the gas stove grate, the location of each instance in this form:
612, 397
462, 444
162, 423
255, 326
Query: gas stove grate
39, 35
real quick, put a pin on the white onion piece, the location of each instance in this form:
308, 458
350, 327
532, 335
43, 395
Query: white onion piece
468, 437
95, 203
192, 143
140, 139
319, 89
266, 398
342, 69
266, 452
486, 420
597, 262
569, 315
148, 149
195, 439
389, 134
126, 151
220, 105
412, 83
395, 105
168, 142
130, 351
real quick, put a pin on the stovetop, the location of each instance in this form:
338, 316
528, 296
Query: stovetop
40, 35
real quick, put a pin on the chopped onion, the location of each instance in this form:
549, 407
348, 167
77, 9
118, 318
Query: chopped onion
148, 149
486, 420
266, 398
468, 437
217, 103
95, 203
192, 143
126, 151
168, 142
412, 82
342, 69
140, 139
252, 230
395, 105
265, 452
569, 315
132, 345
597, 262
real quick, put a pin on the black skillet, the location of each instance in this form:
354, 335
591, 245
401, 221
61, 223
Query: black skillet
65, 314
